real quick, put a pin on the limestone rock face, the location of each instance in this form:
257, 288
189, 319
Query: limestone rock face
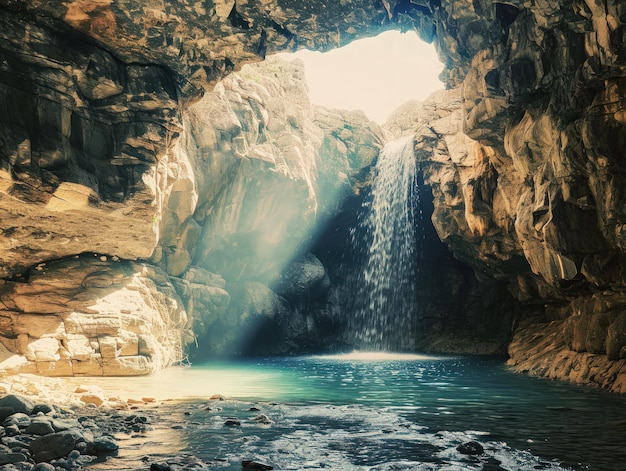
204, 41
524, 159
228, 189
90, 316
85, 161
268, 165
255, 151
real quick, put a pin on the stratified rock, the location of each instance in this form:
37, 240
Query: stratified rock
84, 316
106, 149
82, 133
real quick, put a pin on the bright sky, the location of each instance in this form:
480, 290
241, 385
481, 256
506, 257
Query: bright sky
375, 75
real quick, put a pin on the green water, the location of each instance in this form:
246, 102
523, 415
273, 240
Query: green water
408, 413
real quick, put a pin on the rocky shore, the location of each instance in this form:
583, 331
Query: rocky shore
49, 424
45, 426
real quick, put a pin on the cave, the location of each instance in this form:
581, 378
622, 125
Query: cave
169, 193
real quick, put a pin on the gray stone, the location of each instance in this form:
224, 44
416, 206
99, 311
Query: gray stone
471, 448
302, 277
52, 446
251, 464
20, 419
12, 430
64, 424
105, 444
43, 408
16, 404
43, 467
7, 458
40, 428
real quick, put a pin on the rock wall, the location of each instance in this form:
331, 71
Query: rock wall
97, 155
90, 315
524, 156
229, 203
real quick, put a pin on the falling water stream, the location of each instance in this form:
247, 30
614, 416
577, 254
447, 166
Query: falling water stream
383, 318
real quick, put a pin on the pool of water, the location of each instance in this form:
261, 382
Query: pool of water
368, 412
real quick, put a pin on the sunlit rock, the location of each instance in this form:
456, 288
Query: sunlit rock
105, 318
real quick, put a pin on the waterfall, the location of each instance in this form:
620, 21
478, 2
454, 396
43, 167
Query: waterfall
384, 309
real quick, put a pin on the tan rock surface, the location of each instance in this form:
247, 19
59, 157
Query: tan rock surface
105, 318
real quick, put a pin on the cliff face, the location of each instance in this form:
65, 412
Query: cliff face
229, 201
102, 152
529, 191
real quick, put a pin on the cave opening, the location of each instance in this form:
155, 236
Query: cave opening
376, 75
226, 189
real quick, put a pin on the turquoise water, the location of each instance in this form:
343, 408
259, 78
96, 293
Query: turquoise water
350, 413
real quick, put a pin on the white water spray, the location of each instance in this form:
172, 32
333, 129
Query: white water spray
384, 318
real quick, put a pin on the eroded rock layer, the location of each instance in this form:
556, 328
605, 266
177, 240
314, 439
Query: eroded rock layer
90, 316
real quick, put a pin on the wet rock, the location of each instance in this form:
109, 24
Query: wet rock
262, 419
492, 464
105, 444
19, 419
11, 430
64, 424
40, 427
43, 467
471, 448
250, 464
232, 422
42, 408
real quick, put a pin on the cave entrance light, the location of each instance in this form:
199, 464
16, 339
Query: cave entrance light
375, 75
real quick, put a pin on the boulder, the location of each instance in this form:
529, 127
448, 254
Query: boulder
52, 446
15, 404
